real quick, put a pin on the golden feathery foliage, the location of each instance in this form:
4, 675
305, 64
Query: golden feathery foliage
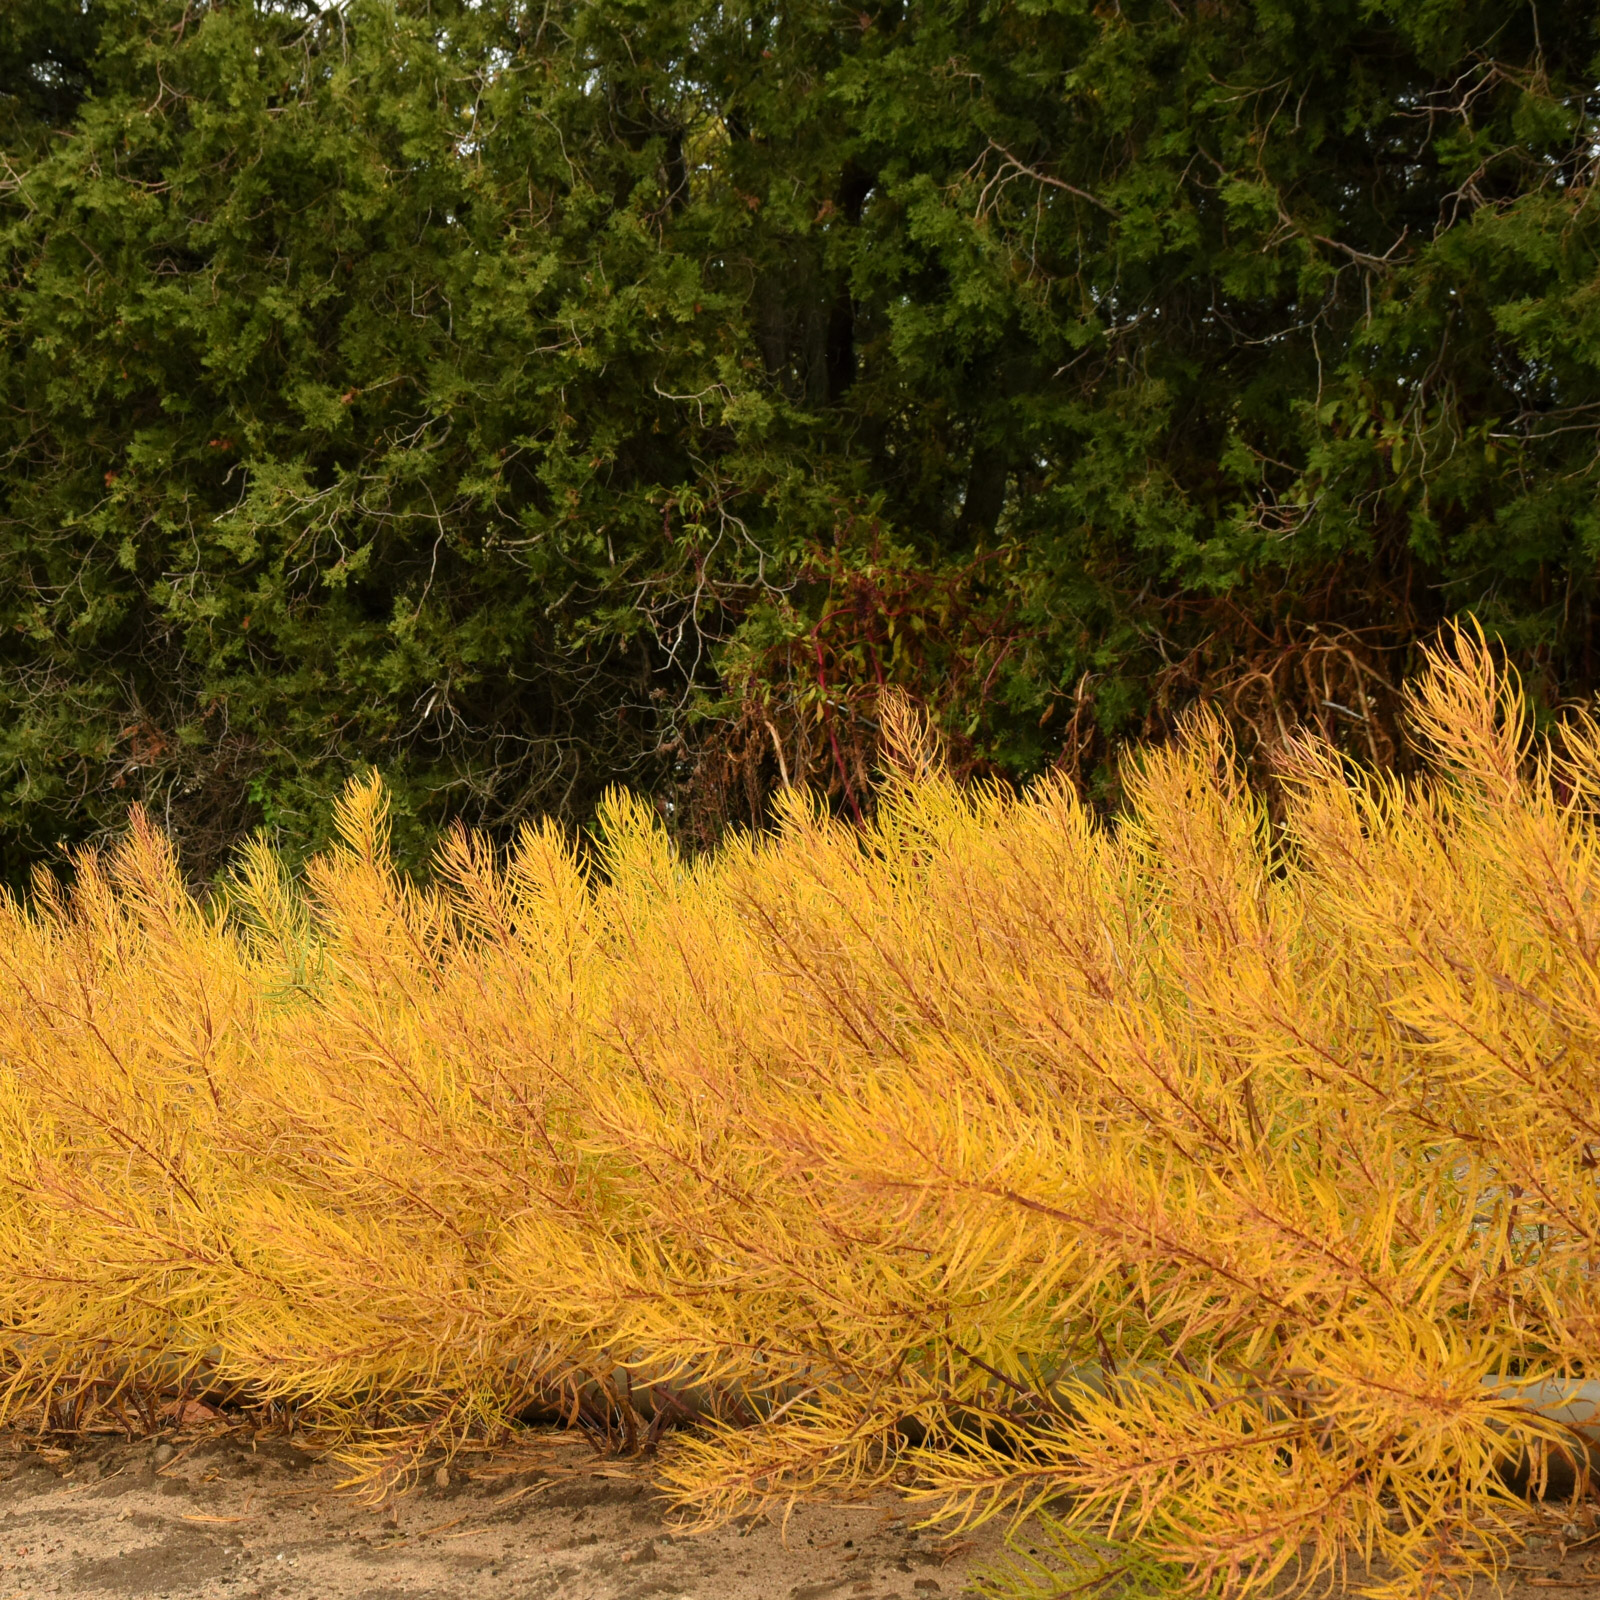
1219, 1186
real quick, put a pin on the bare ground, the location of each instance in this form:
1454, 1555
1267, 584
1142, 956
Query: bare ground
229, 1514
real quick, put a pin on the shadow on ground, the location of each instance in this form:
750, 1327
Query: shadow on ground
230, 1516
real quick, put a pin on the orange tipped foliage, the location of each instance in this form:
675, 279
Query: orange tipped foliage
1222, 1188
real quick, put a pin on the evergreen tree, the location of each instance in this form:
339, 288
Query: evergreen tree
523, 398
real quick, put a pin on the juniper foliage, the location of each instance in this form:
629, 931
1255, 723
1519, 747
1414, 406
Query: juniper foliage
522, 397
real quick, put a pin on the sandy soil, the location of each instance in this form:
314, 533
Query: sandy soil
223, 1516
226, 1515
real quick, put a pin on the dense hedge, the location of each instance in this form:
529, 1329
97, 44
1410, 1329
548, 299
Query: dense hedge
1224, 1193
525, 397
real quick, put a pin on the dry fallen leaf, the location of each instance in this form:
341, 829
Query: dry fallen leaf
188, 1412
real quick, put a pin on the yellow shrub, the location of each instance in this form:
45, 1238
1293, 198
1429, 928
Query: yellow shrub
1227, 1187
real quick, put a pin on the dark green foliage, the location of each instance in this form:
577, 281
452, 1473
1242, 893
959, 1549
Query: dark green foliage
525, 398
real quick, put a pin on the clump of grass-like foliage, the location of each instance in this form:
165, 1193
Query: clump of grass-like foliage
1221, 1188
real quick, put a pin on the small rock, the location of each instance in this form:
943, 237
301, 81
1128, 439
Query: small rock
441, 1478
162, 1454
930, 1585
645, 1552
